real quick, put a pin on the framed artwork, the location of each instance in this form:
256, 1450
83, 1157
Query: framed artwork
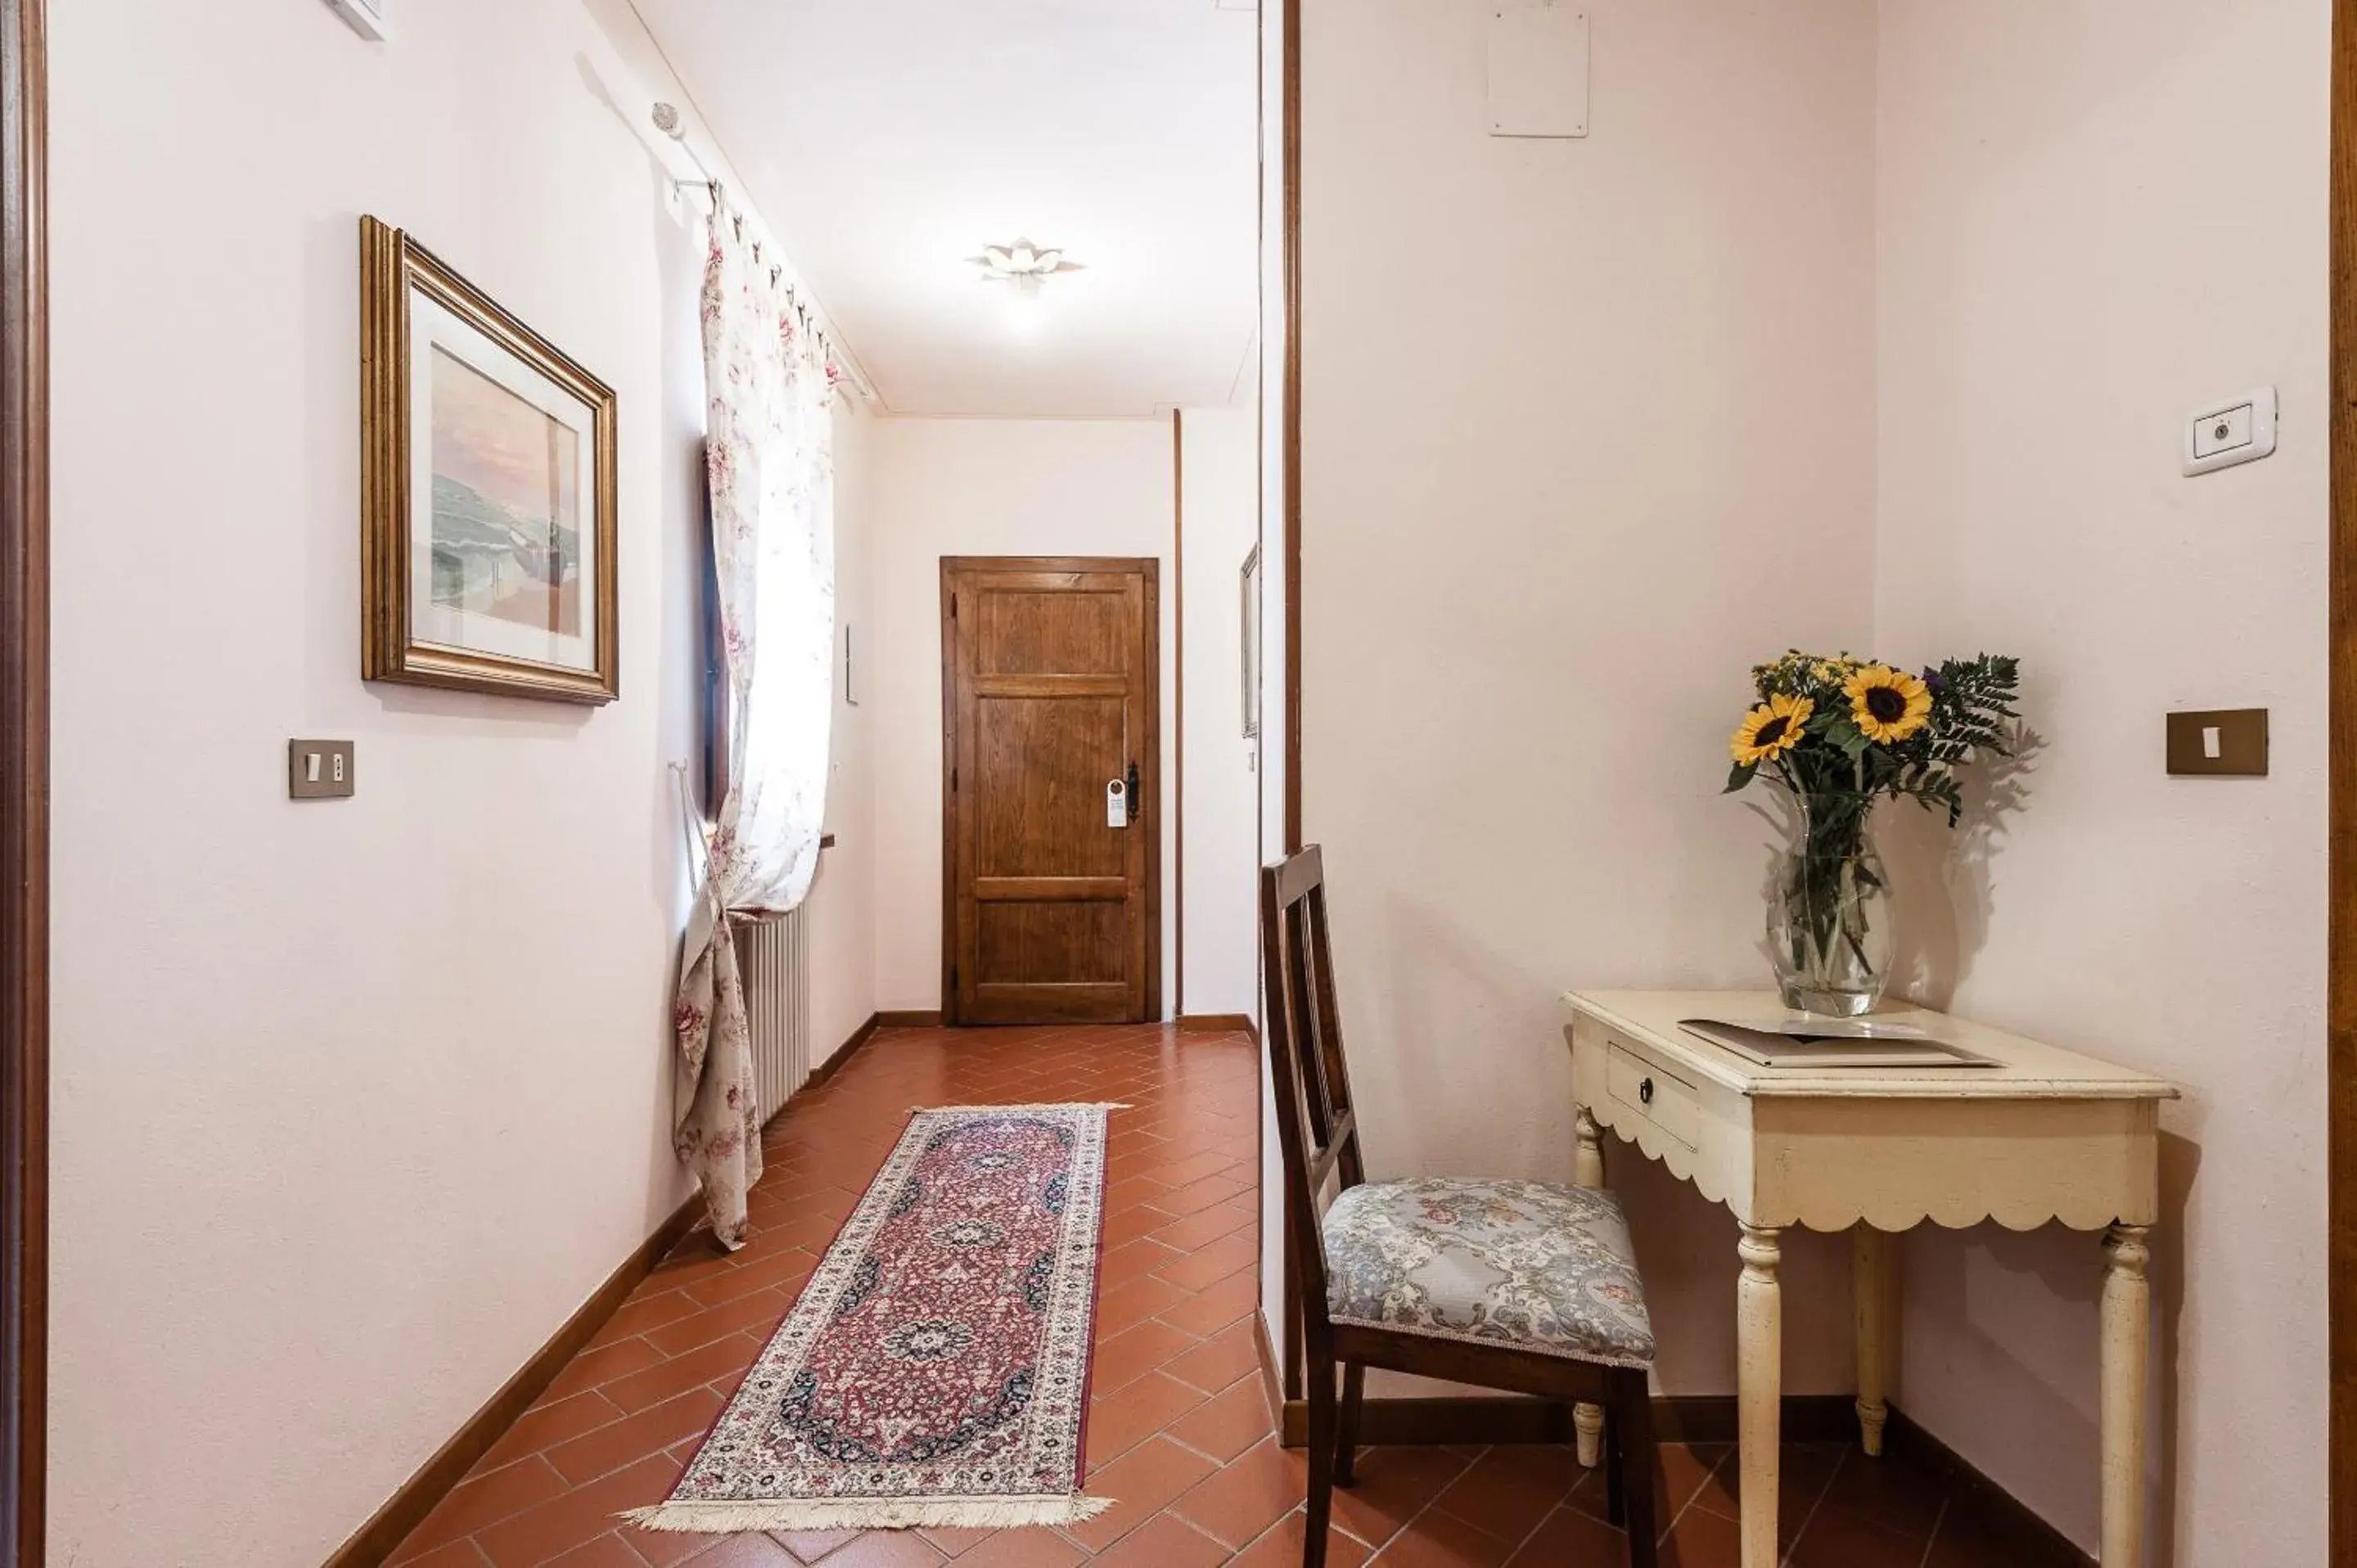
1252, 644
488, 492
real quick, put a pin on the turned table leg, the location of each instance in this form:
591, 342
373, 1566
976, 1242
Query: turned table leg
1758, 1390
1870, 1284
2126, 1324
1588, 1170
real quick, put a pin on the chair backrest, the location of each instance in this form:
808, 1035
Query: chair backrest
1317, 1130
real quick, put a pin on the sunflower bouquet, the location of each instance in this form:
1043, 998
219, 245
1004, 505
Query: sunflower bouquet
1841, 734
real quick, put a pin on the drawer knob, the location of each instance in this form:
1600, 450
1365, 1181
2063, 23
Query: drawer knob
1645, 1092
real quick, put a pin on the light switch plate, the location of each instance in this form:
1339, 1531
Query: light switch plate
318, 769
2227, 743
2239, 429
367, 17
1538, 71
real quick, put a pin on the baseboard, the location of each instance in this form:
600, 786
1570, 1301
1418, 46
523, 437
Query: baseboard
1710, 1418
423, 1492
2031, 1541
835, 1063
1217, 1023
1683, 1418
1514, 1419
919, 1020
1272, 1382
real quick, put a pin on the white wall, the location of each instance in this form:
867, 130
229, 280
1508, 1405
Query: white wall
2071, 257
1219, 481
355, 1101
985, 486
842, 906
1574, 416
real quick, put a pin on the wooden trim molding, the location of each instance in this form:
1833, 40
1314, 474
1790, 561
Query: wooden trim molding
419, 1496
921, 1018
1218, 1023
24, 779
838, 1062
423, 1492
2341, 983
1512, 1418
2031, 1542
1686, 1418
1289, 455
1292, 423
1179, 713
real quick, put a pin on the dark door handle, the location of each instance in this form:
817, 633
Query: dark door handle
1645, 1092
1132, 796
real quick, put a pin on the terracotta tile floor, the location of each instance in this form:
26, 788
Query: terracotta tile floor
1178, 1431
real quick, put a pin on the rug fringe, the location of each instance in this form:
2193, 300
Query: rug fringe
865, 1513
1057, 1105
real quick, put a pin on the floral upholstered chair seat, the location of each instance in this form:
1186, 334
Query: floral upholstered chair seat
1515, 1263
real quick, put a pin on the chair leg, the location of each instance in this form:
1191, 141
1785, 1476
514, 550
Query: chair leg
1632, 1418
1322, 1434
1346, 1444
1616, 1505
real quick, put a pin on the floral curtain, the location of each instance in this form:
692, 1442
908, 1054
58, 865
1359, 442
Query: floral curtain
769, 455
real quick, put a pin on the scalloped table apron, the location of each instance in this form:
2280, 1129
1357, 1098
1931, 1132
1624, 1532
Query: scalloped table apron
935, 1370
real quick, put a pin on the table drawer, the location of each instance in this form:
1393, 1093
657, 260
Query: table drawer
1666, 1101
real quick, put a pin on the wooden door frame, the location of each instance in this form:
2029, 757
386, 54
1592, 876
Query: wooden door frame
1150, 769
23, 775
2341, 1006
1290, 453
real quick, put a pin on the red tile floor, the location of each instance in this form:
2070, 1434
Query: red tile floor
1178, 1431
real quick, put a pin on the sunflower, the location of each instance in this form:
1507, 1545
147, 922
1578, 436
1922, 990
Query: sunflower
1887, 705
1770, 729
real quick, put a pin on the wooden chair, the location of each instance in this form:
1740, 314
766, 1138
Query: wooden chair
1408, 1275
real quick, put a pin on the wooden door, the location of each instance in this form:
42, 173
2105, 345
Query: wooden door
1050, 693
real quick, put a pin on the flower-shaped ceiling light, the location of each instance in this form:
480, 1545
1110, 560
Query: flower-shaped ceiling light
1022, 263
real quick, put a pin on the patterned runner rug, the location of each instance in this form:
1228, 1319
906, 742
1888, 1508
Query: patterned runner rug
935, 1370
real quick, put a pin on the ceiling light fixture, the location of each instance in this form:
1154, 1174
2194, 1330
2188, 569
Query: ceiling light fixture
1026, 266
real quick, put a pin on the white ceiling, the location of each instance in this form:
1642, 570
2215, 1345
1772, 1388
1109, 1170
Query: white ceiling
886, 141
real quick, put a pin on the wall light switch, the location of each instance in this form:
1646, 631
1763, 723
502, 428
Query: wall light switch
367, 17
318, 769
2227, 744
2239, 429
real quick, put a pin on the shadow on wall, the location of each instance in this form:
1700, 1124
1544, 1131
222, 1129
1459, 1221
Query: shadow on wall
1941, 880
1428, 985
1978, 1280
1425, 980
2180, 1160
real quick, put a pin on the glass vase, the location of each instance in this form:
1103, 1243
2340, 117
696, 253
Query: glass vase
1829, 912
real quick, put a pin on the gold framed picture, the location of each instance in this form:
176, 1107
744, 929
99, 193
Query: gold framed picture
487, 491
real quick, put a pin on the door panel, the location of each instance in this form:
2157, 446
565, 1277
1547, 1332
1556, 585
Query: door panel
1050, 689
1040, 772
1029, 632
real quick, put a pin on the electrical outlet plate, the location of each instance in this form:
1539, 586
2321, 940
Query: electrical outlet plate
367, 17
2239, 429
318, 769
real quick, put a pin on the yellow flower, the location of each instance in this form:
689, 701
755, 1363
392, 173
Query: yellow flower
1770, 729
1887, 705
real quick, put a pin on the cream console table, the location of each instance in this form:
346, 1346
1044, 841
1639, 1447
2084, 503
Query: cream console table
2046, 1134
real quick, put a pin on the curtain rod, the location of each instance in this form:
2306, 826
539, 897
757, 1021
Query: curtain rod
669, 121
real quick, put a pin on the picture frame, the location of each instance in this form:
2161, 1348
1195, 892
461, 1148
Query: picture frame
487, 491
1249, 576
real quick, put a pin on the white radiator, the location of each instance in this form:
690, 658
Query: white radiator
773, 957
